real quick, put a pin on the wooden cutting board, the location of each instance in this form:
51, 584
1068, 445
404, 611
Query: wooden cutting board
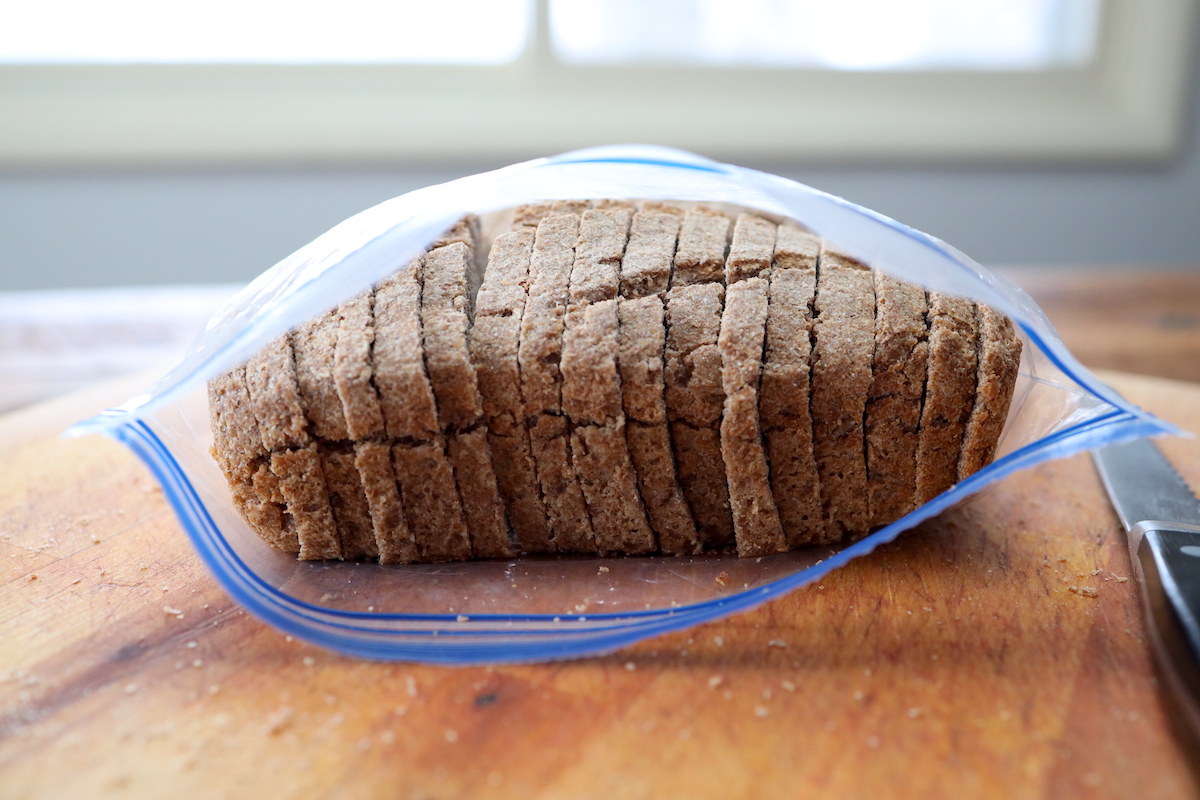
997, 651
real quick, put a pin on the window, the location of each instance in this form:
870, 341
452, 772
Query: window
370, 80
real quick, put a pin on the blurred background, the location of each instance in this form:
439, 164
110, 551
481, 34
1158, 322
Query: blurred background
195, 144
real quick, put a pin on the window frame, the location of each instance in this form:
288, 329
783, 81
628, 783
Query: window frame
1127, 105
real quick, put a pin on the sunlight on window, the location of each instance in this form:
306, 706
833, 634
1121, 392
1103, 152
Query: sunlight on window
847, 34
263, 31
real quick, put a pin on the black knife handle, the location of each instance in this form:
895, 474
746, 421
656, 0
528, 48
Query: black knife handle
1168, 557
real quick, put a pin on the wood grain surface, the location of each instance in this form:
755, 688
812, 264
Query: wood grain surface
967, 659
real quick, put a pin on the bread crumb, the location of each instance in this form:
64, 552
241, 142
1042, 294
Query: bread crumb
387, 737
462, 618
174, 612
33, 576
777, 643
1120, 578
198, 663
190, 645
760, 711
604, 569
130, 688
722, 578
1086, 591
411, 686
788, 686
715, 681
309, 661
719, 641
279, 721
629, 665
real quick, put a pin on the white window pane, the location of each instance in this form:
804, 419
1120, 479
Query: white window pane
846, 34
263, 31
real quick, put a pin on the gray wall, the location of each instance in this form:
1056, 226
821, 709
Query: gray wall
110, 228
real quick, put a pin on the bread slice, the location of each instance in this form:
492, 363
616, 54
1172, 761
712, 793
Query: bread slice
302, 485
591, 399
646, 265
393, 538
430, 502
641, 338
784, 395
756, 522
751, 250
314, 345
999, 354
695, 400
353, 370
238, 450
272, 377
405, 394
445, 320
373, 500
596, 272
703, 242
495, 343
949, 393
539, 357
894, 400
348, 501
841, 377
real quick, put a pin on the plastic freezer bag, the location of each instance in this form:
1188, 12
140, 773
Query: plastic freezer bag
549, 607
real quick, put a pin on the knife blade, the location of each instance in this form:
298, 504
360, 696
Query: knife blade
1161, 516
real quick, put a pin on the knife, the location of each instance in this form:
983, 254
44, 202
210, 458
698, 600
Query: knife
1161, 516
